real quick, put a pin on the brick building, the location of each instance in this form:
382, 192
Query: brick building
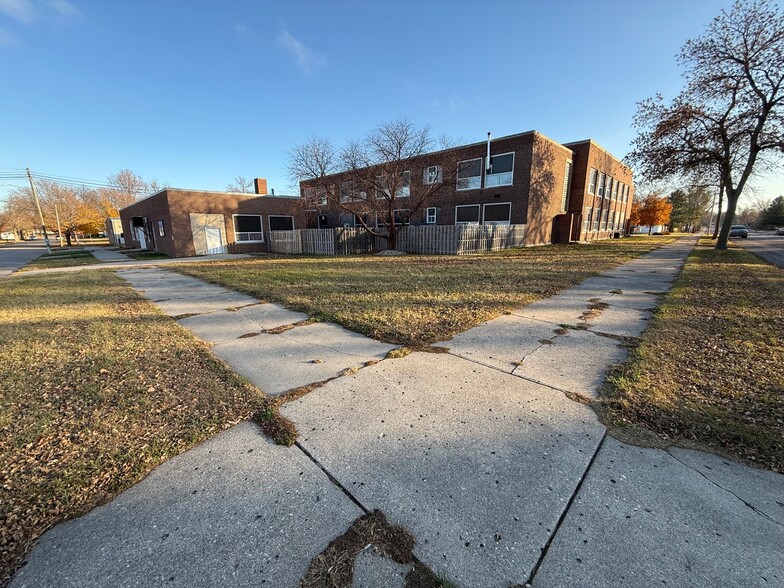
572, 192
183, 223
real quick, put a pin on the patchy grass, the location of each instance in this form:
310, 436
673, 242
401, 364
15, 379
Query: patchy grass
418, 300
334, 567
98, 387
709, 371
145, 255
61, 258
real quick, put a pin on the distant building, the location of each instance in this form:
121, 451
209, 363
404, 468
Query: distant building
183, 223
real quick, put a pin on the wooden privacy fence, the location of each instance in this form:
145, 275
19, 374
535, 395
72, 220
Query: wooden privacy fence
434, 240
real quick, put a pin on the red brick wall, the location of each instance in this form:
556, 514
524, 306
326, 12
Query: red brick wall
587, 155
175, 206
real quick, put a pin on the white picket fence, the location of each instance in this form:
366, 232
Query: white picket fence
433, 240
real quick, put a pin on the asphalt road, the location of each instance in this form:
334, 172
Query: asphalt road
766, 245
12, 257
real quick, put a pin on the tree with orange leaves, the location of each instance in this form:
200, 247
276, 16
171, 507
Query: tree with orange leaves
654, 210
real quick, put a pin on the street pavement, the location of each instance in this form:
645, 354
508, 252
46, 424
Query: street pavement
16, 255
766, 245
487, 454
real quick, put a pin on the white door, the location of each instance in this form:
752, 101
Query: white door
213, 238
140, 238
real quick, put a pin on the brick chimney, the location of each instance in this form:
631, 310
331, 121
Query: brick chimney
261, 186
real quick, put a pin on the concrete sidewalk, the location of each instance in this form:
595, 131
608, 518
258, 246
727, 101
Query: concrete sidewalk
487, 455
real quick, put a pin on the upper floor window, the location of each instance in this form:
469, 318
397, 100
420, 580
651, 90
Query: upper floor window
469, 174
500, 170
592, 181
432, 175
404, 189
346, 191
567, 178
602, 182
615, 190
608, 189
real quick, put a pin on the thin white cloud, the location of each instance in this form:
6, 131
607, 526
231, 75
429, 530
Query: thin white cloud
21, 10
308, 60
65, 9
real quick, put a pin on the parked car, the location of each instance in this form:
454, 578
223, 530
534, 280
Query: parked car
779, 230
32, 237
739, 231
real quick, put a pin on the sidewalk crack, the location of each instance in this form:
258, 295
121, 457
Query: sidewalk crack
544, 550
748, 504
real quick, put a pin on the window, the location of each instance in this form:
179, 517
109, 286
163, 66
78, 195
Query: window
281, 223
346, 191
596, 219
602, 182
247, 228
431, 215
315, 196
609, 188
432, 175
567, 178
402, 216
467, 214
626, 194
500, 170
349, 221
161, 232
587, 219
605, 214
404, 189
592, 182
498, 214
469, 174
615, 190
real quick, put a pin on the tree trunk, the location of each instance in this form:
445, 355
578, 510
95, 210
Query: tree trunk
718, 212
729, 216
392, 235
68, 238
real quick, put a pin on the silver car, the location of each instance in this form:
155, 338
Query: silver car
739, 231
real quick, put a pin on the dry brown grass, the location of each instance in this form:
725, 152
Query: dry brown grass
709, 372
98, 388
418, 300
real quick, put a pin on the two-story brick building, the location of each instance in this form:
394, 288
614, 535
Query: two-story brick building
572, 192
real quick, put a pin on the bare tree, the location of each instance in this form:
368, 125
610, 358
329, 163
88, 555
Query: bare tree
128, 185
241, 185
729, 119
371, 179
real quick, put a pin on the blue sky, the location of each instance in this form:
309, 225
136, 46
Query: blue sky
195, 93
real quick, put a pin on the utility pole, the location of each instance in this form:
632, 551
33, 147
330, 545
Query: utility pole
59, 230
38, 206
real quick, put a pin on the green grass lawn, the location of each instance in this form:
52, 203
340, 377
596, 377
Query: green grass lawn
61, 258
709, 371
98, 387
417, 300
